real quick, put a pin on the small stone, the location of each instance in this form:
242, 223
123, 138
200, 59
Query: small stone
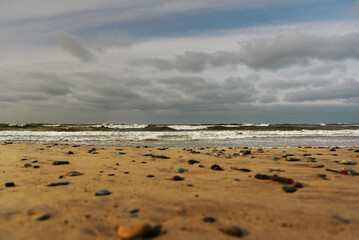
181, 170
192, 161
10, 184
75, 173
179, 210
177, 178
70, 152
288, 189
26, 165
121, 153
34, 161
132, 211
351, 172
319, 153
311, 159
150, 176
332, 150
236, 179
292, 159
36, 166
209, 219
348, 162
102, 192
232, 231
317, 166
42, 217
201, 166
274, 158
216, 167
57, 183
60, 162
322, 175
134, 231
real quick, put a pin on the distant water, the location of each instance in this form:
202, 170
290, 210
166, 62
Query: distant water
191, 135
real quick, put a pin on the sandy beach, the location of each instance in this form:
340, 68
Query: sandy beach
221, 194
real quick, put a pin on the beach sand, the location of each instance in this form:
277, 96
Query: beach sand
325, 208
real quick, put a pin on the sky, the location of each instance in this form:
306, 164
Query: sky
188, 61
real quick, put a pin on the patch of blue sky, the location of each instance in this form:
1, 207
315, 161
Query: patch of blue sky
176, 24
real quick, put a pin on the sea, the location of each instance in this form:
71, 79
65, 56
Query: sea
263, 135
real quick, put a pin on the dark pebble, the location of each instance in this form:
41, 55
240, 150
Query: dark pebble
322, 175
132, 211
35, 161
70, 152
209, 219
201, 166
289, 189
216, 167
36, 166
192, 161
293, 159
232, 231
177, 178
102, 192
43, 217
298, 185
111, 174
10, 184
189, 185
58, 183
126, 172
27, 165
60, 162
150, 176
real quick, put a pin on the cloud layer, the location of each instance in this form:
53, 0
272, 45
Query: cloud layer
149, 62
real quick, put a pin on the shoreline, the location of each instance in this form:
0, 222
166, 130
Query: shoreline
142, 189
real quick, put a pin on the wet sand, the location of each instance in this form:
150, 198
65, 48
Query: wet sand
324, 208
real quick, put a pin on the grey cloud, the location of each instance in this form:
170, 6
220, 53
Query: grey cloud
75, 47
112, 39
282, 51
342, 90
282, 84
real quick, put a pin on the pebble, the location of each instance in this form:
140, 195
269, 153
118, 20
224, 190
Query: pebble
216, 167
289, 189
102, 192
311, 159
293, 159
192, 161
232, 231
351, 172
132, 211
70, 152
60, 162
27, 165
332, 150
274, 158
75, 173
42, 217
317, 166
322, 175
57, 183
236, 179
209, 219
181, 170
348, 162
36, 166
121, 153
10, 184
134, 231
201, 166
177, 178
319, 153
305, 154
34, 161
150, 176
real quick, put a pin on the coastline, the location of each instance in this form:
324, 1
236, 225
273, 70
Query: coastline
324, 208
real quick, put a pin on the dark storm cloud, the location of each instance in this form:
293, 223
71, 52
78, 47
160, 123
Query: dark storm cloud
346, 89
268, 53
74, 46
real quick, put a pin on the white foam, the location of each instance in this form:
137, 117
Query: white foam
188, 127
